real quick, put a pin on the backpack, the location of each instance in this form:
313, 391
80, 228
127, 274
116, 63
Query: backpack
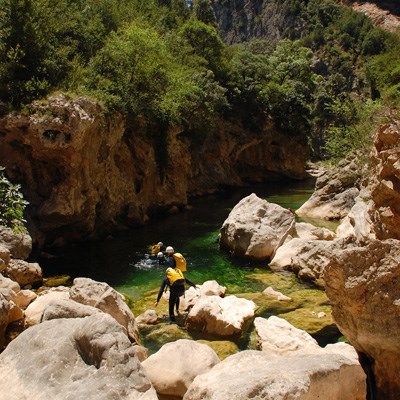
180, 262
155, 249
174, 275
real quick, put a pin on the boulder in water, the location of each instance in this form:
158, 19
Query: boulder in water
220, 317
255, 228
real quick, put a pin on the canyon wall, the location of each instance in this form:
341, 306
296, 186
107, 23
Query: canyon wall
84, 174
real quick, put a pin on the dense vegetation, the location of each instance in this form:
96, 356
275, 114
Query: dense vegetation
162, 62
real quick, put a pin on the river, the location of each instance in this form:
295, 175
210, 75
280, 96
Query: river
120, 260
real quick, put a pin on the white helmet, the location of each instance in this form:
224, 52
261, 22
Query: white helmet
169, 249
160, 254
161, 244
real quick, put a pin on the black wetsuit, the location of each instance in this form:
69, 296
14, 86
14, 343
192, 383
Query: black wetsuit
175, 291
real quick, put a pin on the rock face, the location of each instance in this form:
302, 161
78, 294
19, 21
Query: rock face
256, 228
108, 300
256, 374
335, 192
83, 174
85, 358
173, 368
220, 317
362, 286
387, 19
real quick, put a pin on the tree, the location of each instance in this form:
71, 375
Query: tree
204, 12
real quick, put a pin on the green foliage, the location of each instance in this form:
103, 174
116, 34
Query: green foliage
203, 11
136, 72
161, 63
12, 204
353, 127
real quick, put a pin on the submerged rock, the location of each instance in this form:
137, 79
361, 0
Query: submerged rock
269, 291
256, 228
362, 284
173, 368
256, 374
220, 317
84, 358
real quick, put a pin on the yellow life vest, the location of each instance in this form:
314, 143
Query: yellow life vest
174, 275
155, 249
180, 262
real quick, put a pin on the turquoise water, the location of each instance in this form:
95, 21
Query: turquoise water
120, 260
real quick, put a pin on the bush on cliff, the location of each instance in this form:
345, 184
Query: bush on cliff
12, 204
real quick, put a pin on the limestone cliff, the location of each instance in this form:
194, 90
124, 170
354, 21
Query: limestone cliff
83, 173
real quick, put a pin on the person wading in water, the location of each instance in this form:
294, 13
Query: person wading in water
175, 280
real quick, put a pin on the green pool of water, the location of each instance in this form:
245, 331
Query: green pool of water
120, 260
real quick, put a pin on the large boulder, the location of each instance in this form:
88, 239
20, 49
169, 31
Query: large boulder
277, 336
308, 231
220, 317
335, 192
35, 310
24, 273
104, 297
4, 318
83, 358
173, 368
60, 308
361, 284
308, 258
208, 288
18, 244
259, 375
255, 228
4, 257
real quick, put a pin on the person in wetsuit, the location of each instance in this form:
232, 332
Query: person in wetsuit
175, 280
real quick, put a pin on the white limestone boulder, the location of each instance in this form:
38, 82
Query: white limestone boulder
104, 297
208, 288
259, 375
149, 317
271, 292
173, 368
62, 308
308, 231
80, 358
220, 317
277, 336
255, 228
35, 310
